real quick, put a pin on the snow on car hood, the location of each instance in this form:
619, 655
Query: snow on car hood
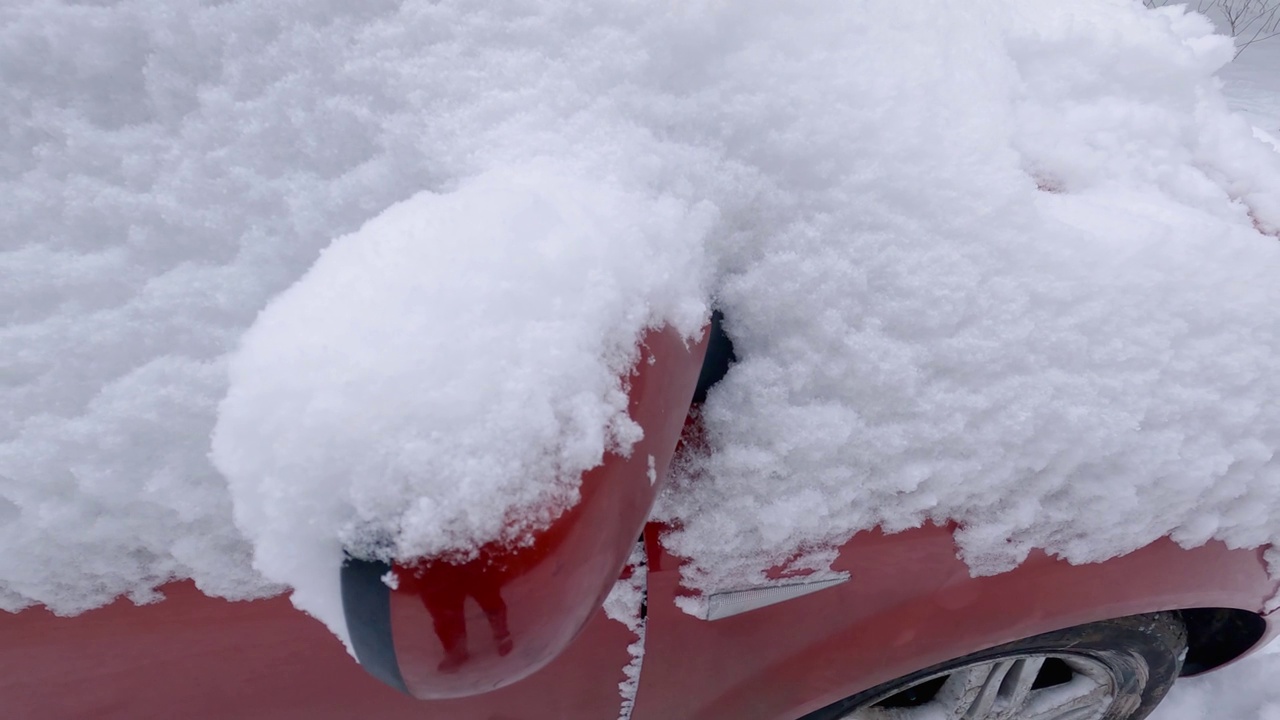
1044, 312
1006, 263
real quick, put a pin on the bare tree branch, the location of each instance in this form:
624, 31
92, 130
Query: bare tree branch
1248, 21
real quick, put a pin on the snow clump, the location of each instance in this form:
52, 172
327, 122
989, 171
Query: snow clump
435, 381
1043, 309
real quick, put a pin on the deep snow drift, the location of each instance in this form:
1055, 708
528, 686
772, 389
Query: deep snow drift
1009, 263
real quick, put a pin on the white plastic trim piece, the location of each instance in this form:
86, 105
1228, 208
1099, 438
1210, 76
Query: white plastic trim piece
736, 602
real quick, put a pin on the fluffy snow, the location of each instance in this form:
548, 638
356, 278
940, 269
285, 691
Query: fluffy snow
1008, 263
173, 165
1043, 309
435, 381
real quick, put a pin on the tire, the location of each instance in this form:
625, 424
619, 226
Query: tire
1111, 670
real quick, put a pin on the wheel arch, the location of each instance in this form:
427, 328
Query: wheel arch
1218, 636
910, 603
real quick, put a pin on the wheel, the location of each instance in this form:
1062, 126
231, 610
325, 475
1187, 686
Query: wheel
1112, 670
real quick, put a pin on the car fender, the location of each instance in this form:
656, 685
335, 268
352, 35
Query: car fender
909, 603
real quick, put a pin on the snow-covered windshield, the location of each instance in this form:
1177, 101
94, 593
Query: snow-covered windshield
280, 278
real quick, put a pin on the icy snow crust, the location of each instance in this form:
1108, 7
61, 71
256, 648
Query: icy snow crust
1006, 263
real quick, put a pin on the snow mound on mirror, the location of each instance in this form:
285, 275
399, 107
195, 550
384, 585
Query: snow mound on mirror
442, 377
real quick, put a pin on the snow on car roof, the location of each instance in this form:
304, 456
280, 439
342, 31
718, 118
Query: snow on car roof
1008, 263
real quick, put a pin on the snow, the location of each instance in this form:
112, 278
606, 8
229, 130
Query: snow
174, 165
287, 280
435, 381
1044, 310
626, 604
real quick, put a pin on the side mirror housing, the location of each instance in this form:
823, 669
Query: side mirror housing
452, 630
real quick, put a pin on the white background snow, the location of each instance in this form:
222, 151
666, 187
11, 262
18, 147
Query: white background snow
1248, 690
1033, 224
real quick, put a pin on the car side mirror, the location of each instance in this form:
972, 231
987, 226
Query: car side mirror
411, 624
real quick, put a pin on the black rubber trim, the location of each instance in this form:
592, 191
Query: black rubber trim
366, 604
719, 357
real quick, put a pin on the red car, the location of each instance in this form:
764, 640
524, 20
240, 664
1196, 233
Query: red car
520, 634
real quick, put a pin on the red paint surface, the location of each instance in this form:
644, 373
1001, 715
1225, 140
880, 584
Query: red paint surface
465, 629
910, 603
192, 656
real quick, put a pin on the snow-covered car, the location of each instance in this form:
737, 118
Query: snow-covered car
581, 623
403, 310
